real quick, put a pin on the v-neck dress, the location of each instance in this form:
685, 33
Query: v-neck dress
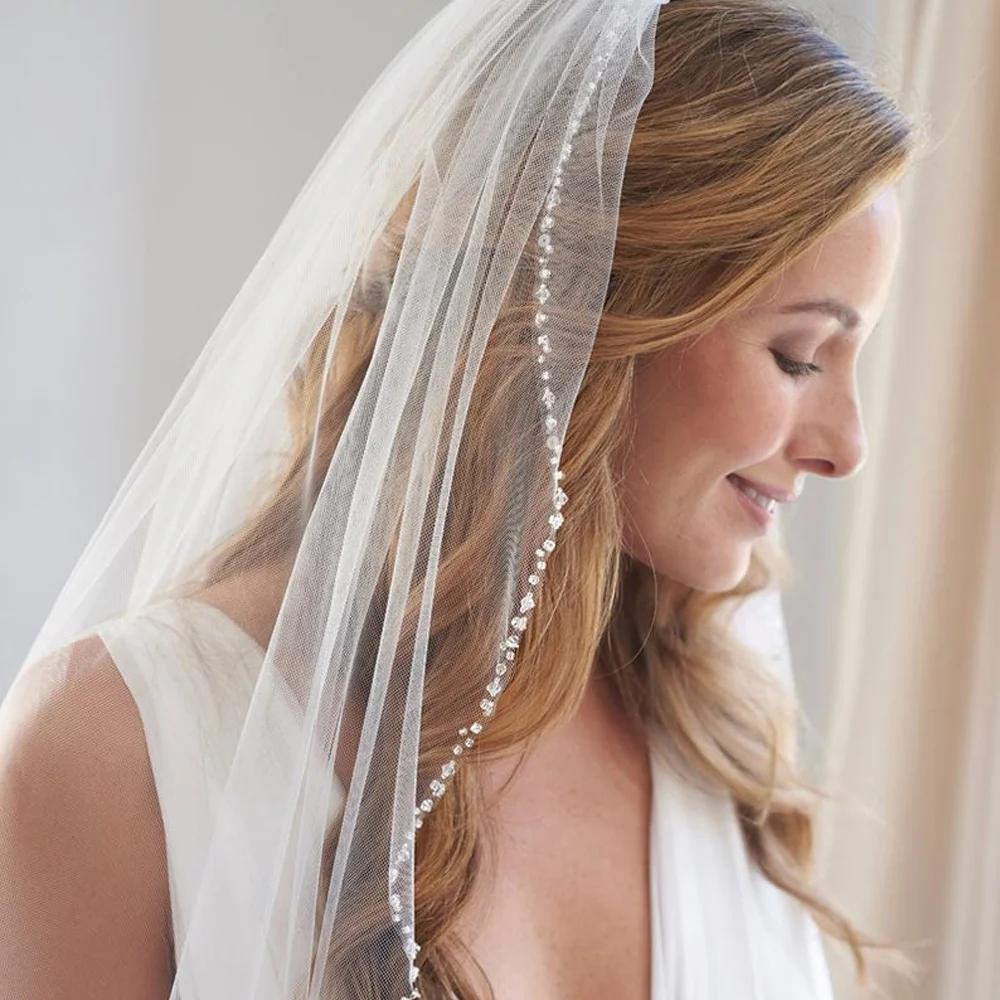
719, 929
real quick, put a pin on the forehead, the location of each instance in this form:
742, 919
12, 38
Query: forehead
844, 277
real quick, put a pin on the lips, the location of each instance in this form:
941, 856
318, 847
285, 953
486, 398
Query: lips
763, 489
765, 502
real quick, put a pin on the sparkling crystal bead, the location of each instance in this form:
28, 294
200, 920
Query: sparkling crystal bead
542, 294
396, 903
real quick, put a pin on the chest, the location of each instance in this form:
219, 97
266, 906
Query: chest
563, 905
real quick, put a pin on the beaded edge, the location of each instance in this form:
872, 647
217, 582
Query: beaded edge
438, 786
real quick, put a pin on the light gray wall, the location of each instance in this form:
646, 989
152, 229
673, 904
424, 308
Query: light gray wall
72, 90
150, 149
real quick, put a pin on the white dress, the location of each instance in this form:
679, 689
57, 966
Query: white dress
720, 930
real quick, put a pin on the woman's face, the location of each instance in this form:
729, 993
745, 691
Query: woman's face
766, 397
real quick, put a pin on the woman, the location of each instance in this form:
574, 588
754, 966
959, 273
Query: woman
324, 711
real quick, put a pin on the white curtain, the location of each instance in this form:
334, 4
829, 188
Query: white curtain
911, 845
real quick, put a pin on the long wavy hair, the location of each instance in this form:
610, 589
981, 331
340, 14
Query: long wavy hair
758, 137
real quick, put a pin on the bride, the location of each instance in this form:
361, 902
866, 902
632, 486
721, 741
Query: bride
324, 710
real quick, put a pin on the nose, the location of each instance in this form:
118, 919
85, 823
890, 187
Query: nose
832, 443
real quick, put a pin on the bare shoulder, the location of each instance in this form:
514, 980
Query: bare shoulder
83, 875
69, 718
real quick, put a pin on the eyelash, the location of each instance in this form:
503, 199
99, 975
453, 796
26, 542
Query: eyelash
797, 369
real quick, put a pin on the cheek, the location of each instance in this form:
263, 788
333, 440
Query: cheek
709, 410
749, 422
717, 407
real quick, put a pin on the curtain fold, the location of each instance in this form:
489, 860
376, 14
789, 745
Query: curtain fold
910, 845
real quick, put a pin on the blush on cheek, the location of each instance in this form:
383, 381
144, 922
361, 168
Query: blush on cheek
754, 407
718, 395
702, 409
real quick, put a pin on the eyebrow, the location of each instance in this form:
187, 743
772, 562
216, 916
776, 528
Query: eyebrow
847, 316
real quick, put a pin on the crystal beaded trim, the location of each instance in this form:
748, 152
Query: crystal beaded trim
466, 736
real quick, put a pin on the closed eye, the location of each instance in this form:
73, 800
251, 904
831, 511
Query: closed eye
797, 369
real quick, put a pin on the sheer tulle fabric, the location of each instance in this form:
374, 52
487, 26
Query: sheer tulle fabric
325, 465
354, 533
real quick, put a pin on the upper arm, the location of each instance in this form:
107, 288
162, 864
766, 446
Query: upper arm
84, 898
